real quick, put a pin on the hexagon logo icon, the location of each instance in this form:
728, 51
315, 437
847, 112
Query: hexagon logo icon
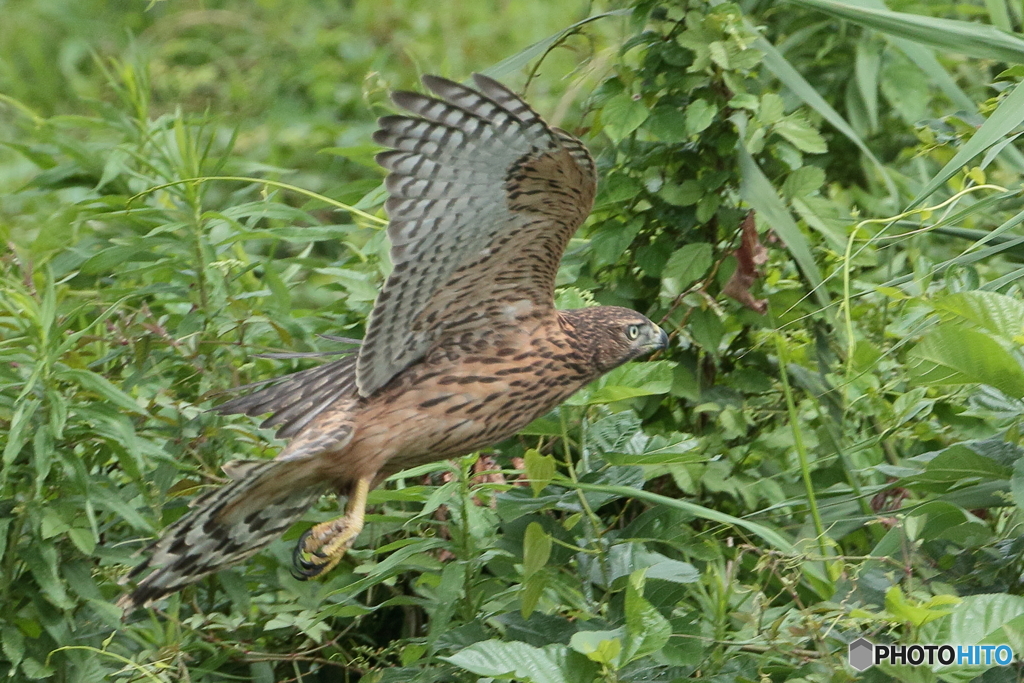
862, 654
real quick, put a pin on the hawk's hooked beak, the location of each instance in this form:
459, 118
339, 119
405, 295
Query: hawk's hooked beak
662, 340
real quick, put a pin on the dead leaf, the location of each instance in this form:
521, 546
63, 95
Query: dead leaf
750, 256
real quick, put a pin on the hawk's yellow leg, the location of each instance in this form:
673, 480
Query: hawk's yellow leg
322, 546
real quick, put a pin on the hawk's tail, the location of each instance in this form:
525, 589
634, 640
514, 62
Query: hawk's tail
227, 525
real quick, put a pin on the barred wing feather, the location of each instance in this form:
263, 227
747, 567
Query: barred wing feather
484, 199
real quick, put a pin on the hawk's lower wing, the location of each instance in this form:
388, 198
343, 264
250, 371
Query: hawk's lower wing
297, 398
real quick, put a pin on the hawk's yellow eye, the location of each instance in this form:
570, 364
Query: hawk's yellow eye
633, 331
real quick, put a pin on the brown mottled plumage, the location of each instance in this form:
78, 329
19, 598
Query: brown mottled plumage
463, 348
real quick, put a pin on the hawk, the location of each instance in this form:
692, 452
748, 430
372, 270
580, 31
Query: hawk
463, 347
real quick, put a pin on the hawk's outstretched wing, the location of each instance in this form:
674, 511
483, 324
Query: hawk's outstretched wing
484, 199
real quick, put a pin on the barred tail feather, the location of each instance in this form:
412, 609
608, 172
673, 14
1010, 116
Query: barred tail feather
226, 526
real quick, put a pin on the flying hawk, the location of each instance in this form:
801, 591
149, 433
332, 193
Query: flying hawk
463, 348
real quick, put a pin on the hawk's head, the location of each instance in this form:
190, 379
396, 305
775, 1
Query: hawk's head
615, 335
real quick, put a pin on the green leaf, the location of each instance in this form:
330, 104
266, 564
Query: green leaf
514, 660
20, 429
997, 313
687, 193
678, 450
529, 594
803, 181
1017, 483
959, 462
450, 590
13, 645
539, 470
978, 617
674, 571
42, 563
625, 382
83, 539
536, 549
797, 130
603, 647
950, 354
685, 266
647, 631
917, 614
622, 115
867, 64
668, 124
699, 115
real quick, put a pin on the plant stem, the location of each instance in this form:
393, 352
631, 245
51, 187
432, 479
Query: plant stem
798, 441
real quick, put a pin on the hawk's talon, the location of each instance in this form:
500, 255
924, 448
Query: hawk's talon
304, 569
321, 547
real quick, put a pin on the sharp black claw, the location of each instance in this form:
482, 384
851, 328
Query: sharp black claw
303, 569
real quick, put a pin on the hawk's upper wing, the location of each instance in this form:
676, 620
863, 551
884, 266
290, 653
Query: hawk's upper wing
484, 199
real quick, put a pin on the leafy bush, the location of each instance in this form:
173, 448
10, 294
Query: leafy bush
821, 209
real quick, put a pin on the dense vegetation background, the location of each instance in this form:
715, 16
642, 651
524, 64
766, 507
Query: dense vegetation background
819, 200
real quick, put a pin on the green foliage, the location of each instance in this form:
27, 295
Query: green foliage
831, 446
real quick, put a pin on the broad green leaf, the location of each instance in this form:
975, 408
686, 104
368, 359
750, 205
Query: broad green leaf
1017, 483
674, 571
515, 660
622, 115
798, 131
803, 181
625, 382
699, 115
41, 559
529, 594
450, 590
668, 124
680, 449
902, 609
647, 631
959, 462
687, 193
685, 266
13, 641
603, 647
950, 354
978, 617
996, 313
